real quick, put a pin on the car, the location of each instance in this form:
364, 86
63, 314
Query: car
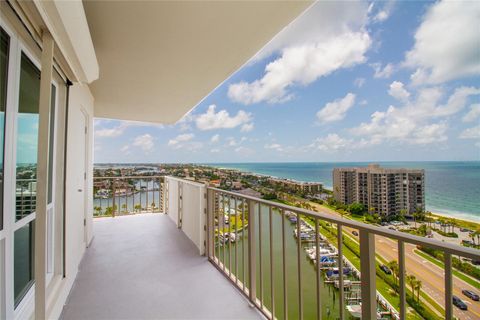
459, 303
392, 228
385, 269
355, 233
467, 242
472, 295
465, 230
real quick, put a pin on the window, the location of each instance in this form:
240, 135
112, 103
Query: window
4, 47
27, 138
23, 260
51, 144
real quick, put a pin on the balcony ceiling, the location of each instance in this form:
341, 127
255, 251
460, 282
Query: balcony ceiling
159, 59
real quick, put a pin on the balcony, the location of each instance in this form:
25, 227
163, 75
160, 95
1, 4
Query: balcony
285, 261
143, 267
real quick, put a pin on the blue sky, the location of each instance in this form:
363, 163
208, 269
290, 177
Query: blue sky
347, 81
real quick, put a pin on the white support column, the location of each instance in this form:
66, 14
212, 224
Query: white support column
368, 275
42, 176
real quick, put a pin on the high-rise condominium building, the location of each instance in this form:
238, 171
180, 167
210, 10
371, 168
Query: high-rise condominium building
385, 191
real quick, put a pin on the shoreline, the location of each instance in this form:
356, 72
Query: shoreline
446, 215
435, 212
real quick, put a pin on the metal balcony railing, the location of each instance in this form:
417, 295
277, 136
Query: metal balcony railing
262, 247
127, 195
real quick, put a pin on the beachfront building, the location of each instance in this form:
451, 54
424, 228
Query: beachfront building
297, 186
384, 191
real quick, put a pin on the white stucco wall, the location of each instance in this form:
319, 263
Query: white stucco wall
77, 236
192, 204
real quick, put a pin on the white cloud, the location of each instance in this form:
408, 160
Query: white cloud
221, 120
435, 132
215, 150
145, 142
382, 72
323, 19
359, 82
247, 127
181, 138
336, 110
274, 146
125, 148
215, 138
244, 151
384, 12
104, 132
302, 65
471, 133
473, 114
331, 142
416, 121
231, 142
398, 91
446, 43
330, 36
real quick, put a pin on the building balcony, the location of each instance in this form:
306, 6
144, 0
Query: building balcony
210, 253
143, 267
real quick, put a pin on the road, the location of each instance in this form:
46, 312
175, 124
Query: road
431, 275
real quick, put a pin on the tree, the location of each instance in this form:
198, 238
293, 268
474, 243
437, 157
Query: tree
411, 280
98, 210
393, 266
137, 207
418, 287
108, 211
357, 209
124, 207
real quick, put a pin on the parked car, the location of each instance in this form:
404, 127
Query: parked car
459, 303
472, 295
392, 228
468, 242
465, 230
385, 269
355, 233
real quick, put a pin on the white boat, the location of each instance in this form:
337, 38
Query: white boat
355, 310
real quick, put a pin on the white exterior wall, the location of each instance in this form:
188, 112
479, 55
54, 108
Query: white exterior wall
190, 208
76, 235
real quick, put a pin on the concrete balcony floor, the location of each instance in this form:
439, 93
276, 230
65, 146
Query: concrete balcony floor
143, 267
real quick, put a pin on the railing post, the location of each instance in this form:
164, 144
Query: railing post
401, 276
210, 223
252, 281
368, 275
448, 286
113, 198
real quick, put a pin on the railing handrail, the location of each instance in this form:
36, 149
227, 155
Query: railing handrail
397, 235
128, 177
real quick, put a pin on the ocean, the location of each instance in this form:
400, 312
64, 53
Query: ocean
452, 188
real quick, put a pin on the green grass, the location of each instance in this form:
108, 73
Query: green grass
385, 290
458, 274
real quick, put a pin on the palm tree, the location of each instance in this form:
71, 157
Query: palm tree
411, 281
418, 287
393, 266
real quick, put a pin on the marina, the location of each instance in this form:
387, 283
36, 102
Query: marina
230, 246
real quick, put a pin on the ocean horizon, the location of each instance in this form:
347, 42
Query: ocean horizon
452, 188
